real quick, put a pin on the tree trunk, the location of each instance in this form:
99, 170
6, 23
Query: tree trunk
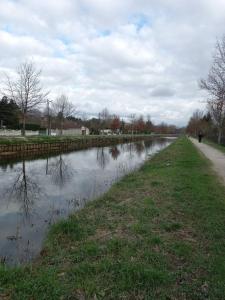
219, 135
61, 127
23, 131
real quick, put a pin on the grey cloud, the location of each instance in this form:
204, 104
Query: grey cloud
163, 92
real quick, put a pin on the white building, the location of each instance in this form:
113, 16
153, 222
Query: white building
72, 131
106, 132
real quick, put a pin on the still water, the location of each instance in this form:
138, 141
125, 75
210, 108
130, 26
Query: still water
36, 193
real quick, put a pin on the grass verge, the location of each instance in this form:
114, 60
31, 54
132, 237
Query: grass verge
4, 140
157, 234
53, 139
41, 139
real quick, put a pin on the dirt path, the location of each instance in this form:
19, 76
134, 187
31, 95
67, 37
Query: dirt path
215, 156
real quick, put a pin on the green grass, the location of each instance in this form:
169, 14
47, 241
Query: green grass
40, 139
157, 234
215, 145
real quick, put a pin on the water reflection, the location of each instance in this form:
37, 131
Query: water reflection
23, 189
36, 193
139, 147
115, 152
60, 170
102, 157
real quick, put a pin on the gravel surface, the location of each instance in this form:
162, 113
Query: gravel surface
215, 156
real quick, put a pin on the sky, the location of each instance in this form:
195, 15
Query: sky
131, 56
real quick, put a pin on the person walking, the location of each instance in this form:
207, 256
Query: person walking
200, 136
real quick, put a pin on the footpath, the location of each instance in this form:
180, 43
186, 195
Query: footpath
215, 156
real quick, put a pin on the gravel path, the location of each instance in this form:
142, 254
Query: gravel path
215, 156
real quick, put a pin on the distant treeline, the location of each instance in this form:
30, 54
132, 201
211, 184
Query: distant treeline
10, 117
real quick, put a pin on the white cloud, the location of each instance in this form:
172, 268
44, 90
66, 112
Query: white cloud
142, 57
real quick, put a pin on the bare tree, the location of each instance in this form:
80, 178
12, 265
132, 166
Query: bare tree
63, 108
195, 123
149, 124
26, 89
217, 111
104, 118
104, 114
214, 84
132, 122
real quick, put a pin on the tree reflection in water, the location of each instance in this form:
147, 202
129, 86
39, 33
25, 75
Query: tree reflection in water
102, 158
139, 148
148, 144
24, 190
60, 171
115, 152
130, 149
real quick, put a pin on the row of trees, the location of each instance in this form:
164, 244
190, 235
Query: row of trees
213, 122
200, 121
132, 124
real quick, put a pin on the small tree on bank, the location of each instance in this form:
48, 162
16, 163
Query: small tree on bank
63, 109
26, 90
115, 124
104, 119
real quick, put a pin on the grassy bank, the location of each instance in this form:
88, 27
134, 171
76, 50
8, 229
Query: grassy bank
57, 139
40, 139
50, 139
157, 234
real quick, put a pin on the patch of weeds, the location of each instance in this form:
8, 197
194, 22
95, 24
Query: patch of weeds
141, 228
139, 276
149, 201
88, 249
153, 258
170, 227
70, 228
182, 249
155, 183
115, 245
155, 240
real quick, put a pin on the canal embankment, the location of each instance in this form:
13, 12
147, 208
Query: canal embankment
19, 146
157, 234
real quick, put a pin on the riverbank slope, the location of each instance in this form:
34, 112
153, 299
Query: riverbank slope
34, 146
157, 234
60, 139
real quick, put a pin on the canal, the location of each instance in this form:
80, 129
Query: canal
36, 193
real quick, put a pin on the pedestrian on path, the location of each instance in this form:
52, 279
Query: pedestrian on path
200, 136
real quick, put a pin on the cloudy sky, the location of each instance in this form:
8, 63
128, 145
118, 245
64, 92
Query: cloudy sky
131, 56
